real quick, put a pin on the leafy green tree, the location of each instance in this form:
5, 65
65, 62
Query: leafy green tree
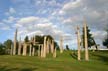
67, 47
2, 49
26, 39
8, 44
56, 45
39, 39
105, 42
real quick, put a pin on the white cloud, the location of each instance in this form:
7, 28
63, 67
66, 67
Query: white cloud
10, 19
40, 26
4, 26
71, 20
27, 20
47, 3
99, 34
38, 32
11, 11
70, 6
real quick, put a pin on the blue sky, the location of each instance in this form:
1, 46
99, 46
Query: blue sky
53, 17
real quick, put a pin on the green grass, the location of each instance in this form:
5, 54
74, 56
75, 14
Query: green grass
64, 62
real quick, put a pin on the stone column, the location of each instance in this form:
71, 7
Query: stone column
19, 48
54, 53
61, 44
86, 42
78, 43
44, 55
15, 43
24, 49
30, 50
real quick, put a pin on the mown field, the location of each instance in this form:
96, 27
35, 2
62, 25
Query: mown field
64, 62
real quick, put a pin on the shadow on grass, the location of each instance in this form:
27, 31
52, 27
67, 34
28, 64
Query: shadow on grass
73, 55
102, 58
5, 68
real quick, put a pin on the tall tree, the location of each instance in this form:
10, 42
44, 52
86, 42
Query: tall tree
8, 44
2, 49
67, 47
90, 39
39, 39
56, 45
105, 41
26, 39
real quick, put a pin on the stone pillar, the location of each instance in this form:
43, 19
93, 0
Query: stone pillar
54, 53
15, 43
24, 49
61, 44
78, 43
19, 48
30, 50
86, 42
44, 55
33, 51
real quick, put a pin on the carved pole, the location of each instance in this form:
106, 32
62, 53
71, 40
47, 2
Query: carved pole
61, 44
15, 43
33, 51
39, 50
42, 50
44, 47
30, 50
86, 41
54, 53
11, 50
19, 49
47, 46
52, 46
24, 49
78, 41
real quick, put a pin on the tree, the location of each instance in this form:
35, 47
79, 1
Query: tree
90, 39
8, 44
56, 45
39, 39
26, 39
2, 49
105, 42
67, 47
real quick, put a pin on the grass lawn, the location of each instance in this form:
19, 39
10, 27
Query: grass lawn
64, 62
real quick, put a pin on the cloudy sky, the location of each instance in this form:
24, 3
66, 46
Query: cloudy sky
53, 17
